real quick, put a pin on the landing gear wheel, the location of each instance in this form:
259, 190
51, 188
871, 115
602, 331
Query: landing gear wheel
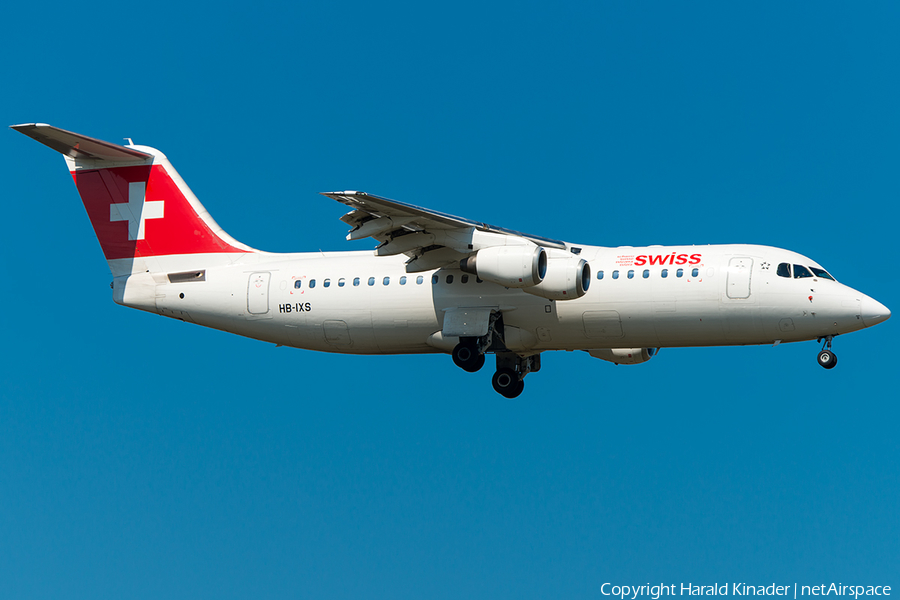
506, 382
467, 358
827, 359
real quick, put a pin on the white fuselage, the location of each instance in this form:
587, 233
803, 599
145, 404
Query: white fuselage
440, 283
732, 296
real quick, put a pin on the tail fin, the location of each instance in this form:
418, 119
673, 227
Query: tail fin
141, 209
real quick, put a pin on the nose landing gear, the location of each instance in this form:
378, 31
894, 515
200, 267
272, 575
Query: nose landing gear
827, 358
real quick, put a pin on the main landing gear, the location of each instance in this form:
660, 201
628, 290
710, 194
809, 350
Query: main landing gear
827, 358
468, 356
512, 368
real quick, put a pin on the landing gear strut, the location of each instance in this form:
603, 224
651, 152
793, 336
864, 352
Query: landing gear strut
827, 358
468, 354
467, 357
506, 382
511, 370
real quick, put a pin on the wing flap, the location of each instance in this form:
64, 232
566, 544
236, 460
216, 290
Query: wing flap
430, 238
383, 207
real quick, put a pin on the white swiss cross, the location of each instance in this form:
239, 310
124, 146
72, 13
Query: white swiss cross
136, 211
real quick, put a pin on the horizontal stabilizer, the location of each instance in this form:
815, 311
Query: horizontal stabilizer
77, 146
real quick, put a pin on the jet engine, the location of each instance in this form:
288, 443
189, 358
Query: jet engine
509, 266
567, 277
624, 356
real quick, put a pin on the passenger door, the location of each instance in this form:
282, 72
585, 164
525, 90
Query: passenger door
258, 293
738, 282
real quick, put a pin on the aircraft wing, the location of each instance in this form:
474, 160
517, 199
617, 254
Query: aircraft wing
430, 238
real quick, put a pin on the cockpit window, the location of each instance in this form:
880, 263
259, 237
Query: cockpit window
821, 273
800, 272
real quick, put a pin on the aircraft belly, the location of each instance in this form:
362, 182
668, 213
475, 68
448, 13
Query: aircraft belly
404, 329
637, 326
603, 325
215, 304
740, 315
695, 323
742, 324
346, 330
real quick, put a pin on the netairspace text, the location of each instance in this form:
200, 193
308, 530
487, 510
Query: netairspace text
656, 591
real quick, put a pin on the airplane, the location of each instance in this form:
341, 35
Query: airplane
437, 283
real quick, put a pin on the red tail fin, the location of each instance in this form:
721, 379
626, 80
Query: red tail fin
140, 211
138, 204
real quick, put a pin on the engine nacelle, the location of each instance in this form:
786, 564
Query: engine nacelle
624, 356
509, 266
567, 278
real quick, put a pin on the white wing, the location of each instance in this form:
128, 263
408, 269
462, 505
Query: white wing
430, 238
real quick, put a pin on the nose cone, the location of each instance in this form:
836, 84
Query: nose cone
873, 312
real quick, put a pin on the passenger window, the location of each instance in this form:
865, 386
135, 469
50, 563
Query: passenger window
464, 279
403, 280
355, 281
801, 272
679, 272
341, 282
312, 283
326, 283
419, 280
630, 274
822, 273
615, 274
434, 279
371, 281
449, 278
386, 281
695, 272
646, 273
297, 284
665, 273
784, 270
599, 274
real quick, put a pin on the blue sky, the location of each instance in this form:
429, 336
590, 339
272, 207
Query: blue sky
142, 457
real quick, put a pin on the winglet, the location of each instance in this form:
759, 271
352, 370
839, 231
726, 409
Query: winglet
75, 145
